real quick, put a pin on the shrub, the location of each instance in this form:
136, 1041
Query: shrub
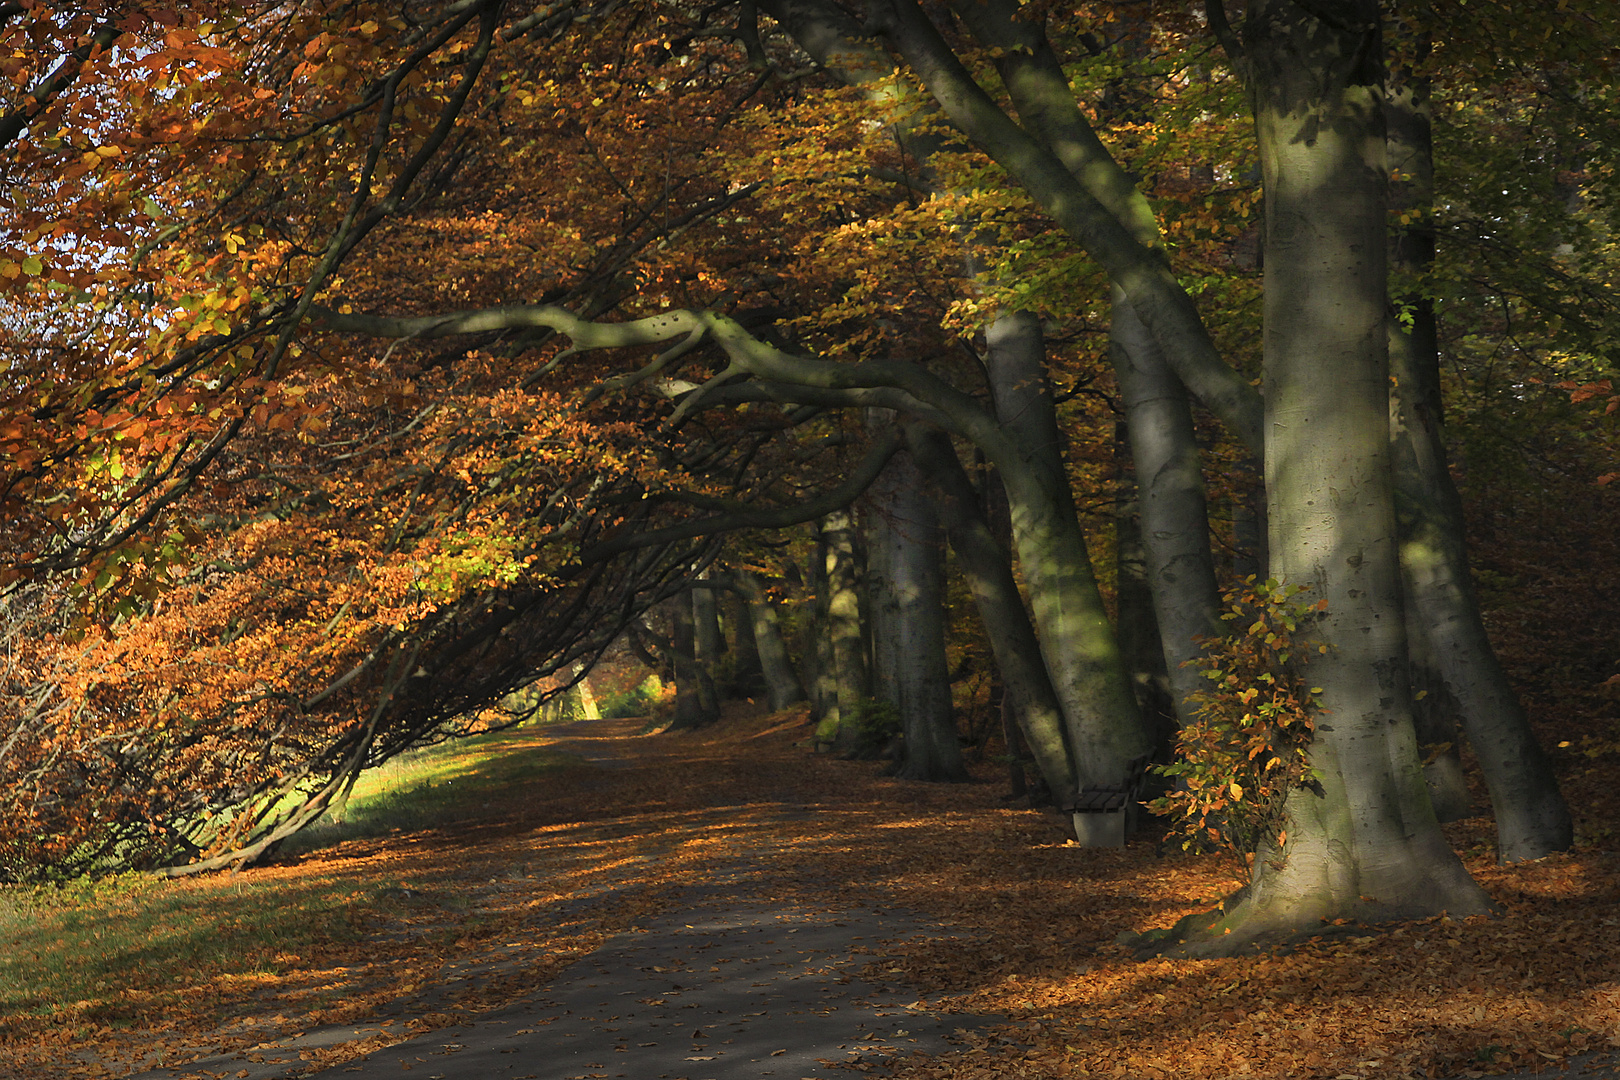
1247, 745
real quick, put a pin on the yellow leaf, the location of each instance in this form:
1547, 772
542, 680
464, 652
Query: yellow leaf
1236, 789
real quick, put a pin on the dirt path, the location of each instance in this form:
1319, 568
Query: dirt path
546, 936
741, 971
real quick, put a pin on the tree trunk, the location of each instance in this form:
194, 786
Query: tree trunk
1434, 714
914, 584
1105, 730
587, 700
710, 641
696, 702
1532, 818
1170, 498
1362, 841
1138, 626
845, 647
987, 567
782, 683
747, 674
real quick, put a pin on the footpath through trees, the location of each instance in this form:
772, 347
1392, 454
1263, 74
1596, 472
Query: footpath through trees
439, 926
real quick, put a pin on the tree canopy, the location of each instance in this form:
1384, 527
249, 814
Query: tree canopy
372, 369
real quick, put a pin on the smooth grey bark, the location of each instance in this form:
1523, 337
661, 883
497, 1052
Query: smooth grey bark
1105, 730
710, 642
914, 630
1362, 841
1170, 501
696, 700
782, 683
843, 627
986, 564
1532, 818
1434, 715
747, 675
1137, 627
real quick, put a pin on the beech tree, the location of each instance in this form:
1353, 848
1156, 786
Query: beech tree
395, 291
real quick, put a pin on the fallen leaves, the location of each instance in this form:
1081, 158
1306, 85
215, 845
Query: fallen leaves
1027, 923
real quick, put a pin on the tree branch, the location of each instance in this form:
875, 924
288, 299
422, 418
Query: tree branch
750, 517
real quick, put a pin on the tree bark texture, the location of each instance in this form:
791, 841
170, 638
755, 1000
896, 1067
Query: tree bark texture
696, 701
710, 641
846, 649
1532, 818
1105, 730
1137, 625
1170, 500
986, 564
747, 676
782, 683
913, 627
1362, 842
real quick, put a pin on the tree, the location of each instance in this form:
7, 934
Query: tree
1362, 842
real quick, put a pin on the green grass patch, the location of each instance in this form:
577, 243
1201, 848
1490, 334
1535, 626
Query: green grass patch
114, 948
435, 786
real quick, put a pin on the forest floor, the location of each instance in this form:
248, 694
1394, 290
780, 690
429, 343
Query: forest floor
411, 932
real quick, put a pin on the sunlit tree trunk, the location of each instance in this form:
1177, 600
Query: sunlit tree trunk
986, 564
845, 646
1170, 500
1362, 842
1104, 727
1532, 818
782, 683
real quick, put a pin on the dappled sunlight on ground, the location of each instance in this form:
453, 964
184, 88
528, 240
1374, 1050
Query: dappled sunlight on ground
546, 873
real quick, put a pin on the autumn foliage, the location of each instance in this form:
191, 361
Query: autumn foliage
1247, 745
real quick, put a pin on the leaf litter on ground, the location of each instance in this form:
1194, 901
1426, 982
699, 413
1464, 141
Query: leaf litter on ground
539, 876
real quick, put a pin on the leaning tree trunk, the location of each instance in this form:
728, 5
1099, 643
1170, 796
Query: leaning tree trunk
1170, 500
988, 568
781, 681
1104, 727
1532, 818
1362, 841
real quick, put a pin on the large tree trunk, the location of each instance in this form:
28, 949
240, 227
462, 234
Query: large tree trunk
1170, 500
1104, 727
1532, 818
914, 630
987, 566
781, 681
1362, 842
